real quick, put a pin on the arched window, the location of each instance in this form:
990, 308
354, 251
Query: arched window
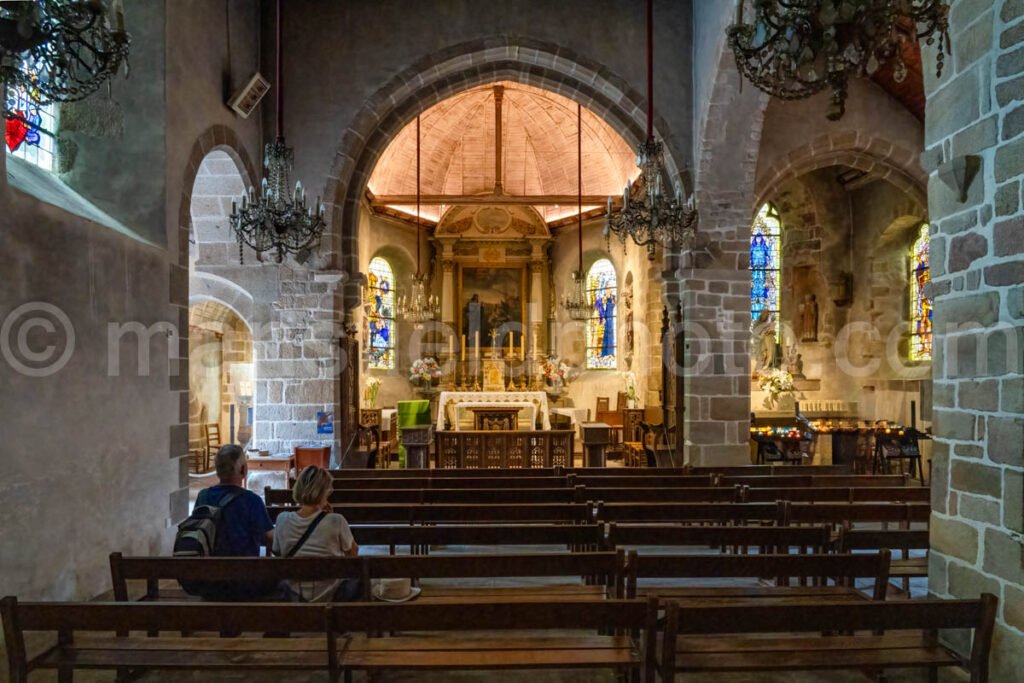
602, 293
765, 261
29, 127
920, 305
380, 307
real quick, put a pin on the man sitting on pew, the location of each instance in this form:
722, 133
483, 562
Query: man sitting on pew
244, 526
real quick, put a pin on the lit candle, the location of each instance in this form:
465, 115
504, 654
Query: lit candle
509, 344
451, 347
476, 344
522, 344
463, 348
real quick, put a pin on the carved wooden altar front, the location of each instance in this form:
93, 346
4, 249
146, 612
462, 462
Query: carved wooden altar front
504, 450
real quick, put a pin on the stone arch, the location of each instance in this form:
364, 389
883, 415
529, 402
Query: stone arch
209, 287
456, 68
879, 157
220, 138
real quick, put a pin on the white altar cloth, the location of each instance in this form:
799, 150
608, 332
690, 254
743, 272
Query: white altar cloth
578, 416
448, 400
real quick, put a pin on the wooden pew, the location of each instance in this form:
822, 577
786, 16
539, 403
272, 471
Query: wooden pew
448, 473
631, 648
605, 572
609, 481
421, 539
763, 470
454, 483
382, 513
888, 635
843, 570
825, 481
770, 539
687, 512
847, 514
84, 640
817, 494
640, 493
601, 574
460, 496
903, 540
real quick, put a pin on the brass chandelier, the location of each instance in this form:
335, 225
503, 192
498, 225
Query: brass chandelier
278, 219
652, 218
795, 48
61, 50
419, 307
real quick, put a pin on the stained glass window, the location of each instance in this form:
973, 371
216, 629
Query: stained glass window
602, 293
29, 127
765, 260
920, 305
380, 307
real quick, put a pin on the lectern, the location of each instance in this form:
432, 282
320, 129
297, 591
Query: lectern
596, 438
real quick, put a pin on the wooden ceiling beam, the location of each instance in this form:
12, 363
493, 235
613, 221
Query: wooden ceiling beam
477, 200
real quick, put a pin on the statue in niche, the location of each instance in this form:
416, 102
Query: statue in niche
794, 362
809, 318
764, 340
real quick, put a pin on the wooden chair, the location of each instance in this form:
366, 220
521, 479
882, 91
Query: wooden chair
621, 401
211, 433
312, 455
603, 405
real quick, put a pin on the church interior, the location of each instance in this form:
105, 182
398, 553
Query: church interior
591, 315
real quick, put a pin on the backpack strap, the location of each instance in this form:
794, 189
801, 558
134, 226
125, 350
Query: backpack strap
230, 498
305, 537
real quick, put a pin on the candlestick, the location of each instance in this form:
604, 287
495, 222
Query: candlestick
510, 345
463, 348
451, 347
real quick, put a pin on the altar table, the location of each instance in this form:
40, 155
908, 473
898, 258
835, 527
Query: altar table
450, 402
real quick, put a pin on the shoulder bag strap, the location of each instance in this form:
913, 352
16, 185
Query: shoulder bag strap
305, 537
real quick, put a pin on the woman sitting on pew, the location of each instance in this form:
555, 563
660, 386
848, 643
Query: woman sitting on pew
315, 531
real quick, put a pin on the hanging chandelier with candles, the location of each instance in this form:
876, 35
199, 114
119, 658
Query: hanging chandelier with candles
793, 49
61, 50
576, 303
278, 219
651, 218
419, 307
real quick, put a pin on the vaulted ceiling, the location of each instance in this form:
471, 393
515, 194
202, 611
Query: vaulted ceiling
537, 149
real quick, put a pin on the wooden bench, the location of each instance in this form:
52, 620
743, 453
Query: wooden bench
461, 496
904, 540
422, 539
383, 513
887, 635
353, 483
687, 512
817, 494
847, 514
825, 481
768, 470
598, 575
629, 649
84, 641
816, 570
769, 539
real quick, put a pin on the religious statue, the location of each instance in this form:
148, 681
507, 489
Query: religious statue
794, 362
809, 318
627, 299
764, 340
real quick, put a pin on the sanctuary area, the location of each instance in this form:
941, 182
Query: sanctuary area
537, 340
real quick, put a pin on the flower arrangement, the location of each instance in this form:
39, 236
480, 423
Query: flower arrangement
370, 393
555, 371
425, 371
776, 382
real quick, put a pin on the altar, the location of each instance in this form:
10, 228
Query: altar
451, 404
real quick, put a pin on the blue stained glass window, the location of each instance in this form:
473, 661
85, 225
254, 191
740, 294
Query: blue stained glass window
380, 307
29, 127
920, 305
765, 262
602, 293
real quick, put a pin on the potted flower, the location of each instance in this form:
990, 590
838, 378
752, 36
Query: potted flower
777, 383
556, 374
370, 393
630, 378
425, 373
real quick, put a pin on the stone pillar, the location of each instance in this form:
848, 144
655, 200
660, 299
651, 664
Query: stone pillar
975, 117
448, 289
535, 311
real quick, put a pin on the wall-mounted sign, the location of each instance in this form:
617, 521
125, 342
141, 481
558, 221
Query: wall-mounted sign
325, 422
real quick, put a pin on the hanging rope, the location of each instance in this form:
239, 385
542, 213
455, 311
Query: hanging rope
579, 181
417, 195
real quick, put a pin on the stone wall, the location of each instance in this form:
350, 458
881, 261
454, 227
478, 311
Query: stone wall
977, 108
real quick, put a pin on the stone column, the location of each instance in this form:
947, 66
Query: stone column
535, 311
448, 302
975, 120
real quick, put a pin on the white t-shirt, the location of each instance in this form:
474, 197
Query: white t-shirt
331, 538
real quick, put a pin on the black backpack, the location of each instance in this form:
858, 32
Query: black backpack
197, 535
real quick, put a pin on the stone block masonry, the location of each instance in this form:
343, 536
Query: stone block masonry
978, 471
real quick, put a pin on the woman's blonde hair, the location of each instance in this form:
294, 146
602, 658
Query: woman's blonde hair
313, 486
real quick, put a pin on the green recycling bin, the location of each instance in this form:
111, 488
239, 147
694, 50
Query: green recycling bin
410, 414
